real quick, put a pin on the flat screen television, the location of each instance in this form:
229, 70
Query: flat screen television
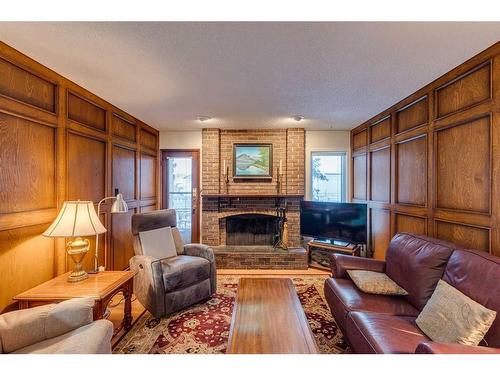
328, 220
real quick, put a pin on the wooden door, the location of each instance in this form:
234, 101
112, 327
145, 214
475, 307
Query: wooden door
181, 190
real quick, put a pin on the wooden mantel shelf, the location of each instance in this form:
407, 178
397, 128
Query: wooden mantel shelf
252, 195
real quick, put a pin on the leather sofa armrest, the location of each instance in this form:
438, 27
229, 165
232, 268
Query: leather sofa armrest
430, 347
199, 250
340, 263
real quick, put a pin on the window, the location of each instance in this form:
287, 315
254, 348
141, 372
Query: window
328, 176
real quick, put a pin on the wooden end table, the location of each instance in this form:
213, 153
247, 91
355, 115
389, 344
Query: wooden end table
101, 286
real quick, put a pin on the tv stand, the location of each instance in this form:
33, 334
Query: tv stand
321, 249
331, 242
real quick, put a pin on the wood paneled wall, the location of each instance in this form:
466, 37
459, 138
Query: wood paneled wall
430, 164
60, 142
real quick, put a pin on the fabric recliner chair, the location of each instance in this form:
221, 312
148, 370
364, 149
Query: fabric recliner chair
63, 328
164, 286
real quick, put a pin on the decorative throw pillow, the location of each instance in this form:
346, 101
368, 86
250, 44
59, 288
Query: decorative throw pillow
158, 243
375, 283
450, 316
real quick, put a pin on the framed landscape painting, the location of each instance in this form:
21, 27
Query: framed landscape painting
252, 160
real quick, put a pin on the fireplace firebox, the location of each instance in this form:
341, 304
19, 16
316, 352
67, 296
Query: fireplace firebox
251, 230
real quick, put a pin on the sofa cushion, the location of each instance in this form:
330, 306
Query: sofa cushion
476, 274
375, 283
343, 297
22, 328
182, 271
450, 316
417, 263
370, 333
69, 315
93, 338
26, 327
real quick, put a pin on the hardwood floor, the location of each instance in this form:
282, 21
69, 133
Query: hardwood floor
116, 314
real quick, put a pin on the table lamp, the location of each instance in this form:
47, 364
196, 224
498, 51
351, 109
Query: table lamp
76, 219
118, 206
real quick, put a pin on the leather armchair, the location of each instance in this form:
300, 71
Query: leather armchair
164, 286
63, 328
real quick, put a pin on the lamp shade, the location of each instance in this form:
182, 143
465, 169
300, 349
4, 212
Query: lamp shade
76, 218
119, 205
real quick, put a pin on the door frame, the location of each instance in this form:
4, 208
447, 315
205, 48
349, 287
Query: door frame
195, 154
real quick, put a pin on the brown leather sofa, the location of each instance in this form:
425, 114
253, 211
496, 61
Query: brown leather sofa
386, 324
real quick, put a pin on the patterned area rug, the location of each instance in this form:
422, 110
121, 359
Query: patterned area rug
204, 328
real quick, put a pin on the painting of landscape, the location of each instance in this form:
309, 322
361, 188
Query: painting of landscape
252, 161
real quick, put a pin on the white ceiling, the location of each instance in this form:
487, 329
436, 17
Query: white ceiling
251, 75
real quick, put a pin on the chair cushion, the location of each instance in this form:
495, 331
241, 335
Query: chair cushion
158, 243
375, 283
179, 243
476, 274
153, 220
343, 297
450, 316
370, 333
417, 263
182, 271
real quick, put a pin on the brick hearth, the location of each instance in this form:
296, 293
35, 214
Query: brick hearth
261, 257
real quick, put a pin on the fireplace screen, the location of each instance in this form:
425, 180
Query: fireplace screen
251, 229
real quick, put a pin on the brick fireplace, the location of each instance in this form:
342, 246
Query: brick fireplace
217, 209
253, 201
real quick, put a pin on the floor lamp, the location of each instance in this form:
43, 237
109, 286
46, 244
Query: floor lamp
118, 206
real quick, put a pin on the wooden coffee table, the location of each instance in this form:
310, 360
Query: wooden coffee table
101, 286
268, 319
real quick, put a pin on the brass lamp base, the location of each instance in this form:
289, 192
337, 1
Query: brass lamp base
76, 250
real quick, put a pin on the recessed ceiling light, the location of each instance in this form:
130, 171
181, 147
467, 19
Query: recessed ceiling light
298, 118
204, 118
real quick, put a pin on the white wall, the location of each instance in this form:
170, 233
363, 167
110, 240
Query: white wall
180, 140
327, 140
